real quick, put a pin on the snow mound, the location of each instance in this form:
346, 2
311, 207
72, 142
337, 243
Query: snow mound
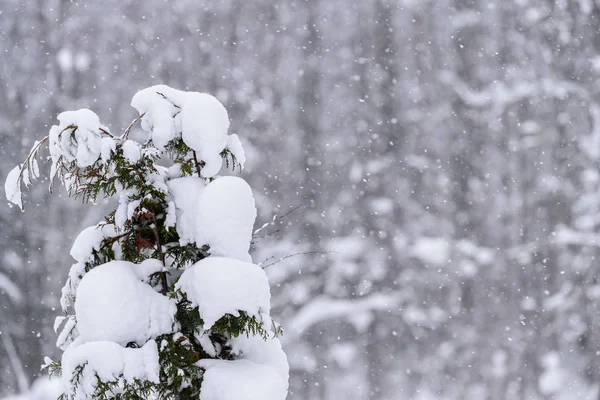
199, 119
12, 187
158, 104
82, 144
219, 286
225, 217
113, 304
43, 388
264, 352
204, 125
185, 192
251, 381
108, 361
132, 151
89, 240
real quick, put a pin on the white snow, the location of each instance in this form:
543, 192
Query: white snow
235, 147
87, 147
146, 268
132, 151
43, 388
204, 125
132, 207
225, 217
108, 361
84, 119
171, 218
220, 214
185, 192
12, 187
70, 288
113, 304
68, 331
123, 207
157, 179
241, 380
200, 119
219, 286
108, 145
90, 239
158, 112
264, 352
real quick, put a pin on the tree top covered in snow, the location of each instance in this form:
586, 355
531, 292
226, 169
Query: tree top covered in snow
163, 300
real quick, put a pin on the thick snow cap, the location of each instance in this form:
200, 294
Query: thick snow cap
225, 217
185, 192
90, 239
113, 304
204, 125
87, 147
219, 286
199, 118
107, 361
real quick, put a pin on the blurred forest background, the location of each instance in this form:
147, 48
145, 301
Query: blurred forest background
444, 152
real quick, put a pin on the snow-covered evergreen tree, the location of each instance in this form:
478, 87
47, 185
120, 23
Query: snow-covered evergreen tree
163, 301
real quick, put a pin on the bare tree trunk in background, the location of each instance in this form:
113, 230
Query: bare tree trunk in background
386, 140
15, 361
309, 117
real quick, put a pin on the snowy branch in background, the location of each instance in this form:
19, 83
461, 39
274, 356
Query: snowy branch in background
324, 309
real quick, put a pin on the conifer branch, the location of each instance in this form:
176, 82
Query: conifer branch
111, 240
32, 154
163, 276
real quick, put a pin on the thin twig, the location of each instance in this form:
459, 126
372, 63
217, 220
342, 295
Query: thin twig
167, 99
106, 132
72, 126
31, 154
294, 255
267, 234
126, 133
110, 240
27, 164
275, 219
288, 213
